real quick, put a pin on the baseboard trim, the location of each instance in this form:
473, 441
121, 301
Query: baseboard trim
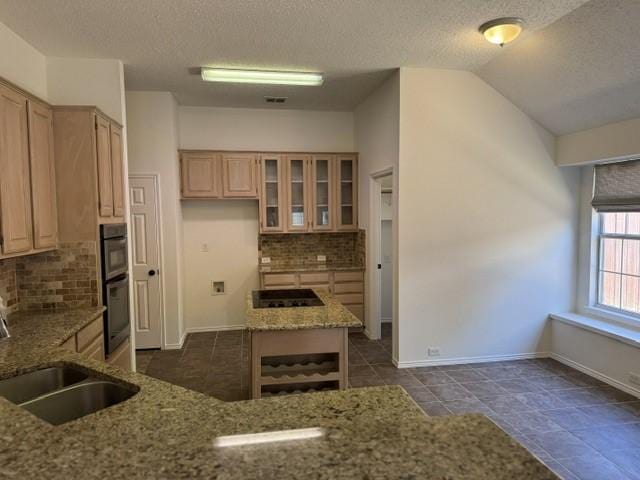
458, 360
218, 328
594, 373
176, 346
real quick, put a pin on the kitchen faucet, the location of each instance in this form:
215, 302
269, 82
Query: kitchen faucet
4, 327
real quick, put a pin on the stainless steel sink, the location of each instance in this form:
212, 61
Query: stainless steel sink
63, 393
26, 387
77, 401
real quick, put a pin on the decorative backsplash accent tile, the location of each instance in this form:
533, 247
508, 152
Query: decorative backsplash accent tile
61, 279
345, 249
8, 284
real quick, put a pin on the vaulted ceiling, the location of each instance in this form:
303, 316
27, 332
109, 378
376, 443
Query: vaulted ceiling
575, 66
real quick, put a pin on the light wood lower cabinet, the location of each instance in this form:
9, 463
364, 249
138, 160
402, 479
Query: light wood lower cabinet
89, 342
121, 357
347, 286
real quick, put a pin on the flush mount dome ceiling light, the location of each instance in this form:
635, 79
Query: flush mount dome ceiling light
502, 30
266, 77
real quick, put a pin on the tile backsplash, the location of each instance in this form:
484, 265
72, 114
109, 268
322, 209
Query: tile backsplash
60, 279
8, 284
340, 248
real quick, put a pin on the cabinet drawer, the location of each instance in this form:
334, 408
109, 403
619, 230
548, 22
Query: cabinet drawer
357, 310
348, 288
280, 279
350, 298
88, 334
348, 277
314, 278
70, 344
95, 349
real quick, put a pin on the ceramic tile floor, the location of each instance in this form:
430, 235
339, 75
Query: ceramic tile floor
580, 427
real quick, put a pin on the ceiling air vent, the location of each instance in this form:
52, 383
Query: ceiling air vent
275, 99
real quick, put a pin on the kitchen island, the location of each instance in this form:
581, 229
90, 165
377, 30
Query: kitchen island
167, 432
299, 341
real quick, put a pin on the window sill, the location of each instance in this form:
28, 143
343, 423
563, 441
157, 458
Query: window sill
608, 328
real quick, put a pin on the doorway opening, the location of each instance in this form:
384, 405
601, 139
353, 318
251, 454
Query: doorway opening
382, 318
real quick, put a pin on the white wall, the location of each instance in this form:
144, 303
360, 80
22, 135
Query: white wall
386, 275
87, 81
264, 129
22, 64
230, 228
377, 141
610, 142
487, 222
153, 143
596, 354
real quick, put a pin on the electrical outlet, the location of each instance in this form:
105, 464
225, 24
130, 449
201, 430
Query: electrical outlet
634, 378
204, 247
265, 260
321, 258
217, 288
433, 351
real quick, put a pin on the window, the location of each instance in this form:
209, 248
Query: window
619, 262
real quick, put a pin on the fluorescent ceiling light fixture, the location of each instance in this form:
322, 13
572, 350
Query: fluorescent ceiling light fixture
267, 77
268, 437
502, 30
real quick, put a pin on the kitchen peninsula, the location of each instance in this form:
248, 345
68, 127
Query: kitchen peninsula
299, 341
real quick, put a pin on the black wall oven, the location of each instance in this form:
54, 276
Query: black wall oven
115, 284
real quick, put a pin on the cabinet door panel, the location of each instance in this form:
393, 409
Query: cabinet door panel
296, 175
200, 175
322, 192
271, 194
117, 170
15, 188
105, 174
43, 190
347, 192
239, 175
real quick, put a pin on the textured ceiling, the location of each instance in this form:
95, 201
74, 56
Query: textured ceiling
357, 43
581, 72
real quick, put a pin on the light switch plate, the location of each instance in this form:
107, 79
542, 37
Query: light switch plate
265, 260
321, 258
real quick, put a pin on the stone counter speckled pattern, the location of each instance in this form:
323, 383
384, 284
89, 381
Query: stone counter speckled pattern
167, 432
332, 315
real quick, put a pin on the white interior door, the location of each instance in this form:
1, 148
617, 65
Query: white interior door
147, 287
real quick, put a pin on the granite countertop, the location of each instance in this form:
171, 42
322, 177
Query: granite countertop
168, 432
276, 267
332, 315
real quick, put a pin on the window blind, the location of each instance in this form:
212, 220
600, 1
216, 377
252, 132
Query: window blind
617, 187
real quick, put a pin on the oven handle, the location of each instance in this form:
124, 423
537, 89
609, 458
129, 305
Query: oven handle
117, 283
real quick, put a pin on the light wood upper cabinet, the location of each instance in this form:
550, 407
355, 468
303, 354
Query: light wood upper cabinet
297, 190
117, 170
272, 200
323, 192
346, 192
105, 175
200, 175
239, 175
43, 188
15, 188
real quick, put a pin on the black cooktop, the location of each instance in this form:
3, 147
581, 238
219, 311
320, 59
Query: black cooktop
301, 297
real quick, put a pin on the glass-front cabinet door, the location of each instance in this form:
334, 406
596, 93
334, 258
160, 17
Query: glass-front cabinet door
297, 168
347, 192
322, 192
271, 193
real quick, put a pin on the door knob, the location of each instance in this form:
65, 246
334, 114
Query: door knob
152, 273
